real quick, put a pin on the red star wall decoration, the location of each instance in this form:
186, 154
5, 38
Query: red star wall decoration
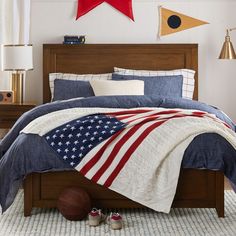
124, 6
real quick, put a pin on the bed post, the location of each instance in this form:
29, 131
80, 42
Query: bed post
28, 195
219, 198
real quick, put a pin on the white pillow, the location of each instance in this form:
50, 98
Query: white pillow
83, 77
188, 77
128, 87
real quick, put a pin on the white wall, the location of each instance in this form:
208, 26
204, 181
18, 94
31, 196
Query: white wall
51, 19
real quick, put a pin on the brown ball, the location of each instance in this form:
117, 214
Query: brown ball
74, 203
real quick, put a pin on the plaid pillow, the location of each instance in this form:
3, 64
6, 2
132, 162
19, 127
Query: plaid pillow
188, 77
75, 77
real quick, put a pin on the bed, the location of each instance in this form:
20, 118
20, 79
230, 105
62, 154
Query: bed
196, 188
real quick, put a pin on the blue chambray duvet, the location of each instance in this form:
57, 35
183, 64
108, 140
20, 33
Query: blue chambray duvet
21, 154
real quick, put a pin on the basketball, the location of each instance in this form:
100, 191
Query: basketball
74, 203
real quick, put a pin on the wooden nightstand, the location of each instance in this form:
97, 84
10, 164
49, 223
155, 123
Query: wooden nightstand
9, 113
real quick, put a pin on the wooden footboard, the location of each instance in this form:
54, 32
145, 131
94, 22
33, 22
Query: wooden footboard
196, 189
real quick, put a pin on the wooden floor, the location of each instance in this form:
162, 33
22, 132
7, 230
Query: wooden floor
227, 185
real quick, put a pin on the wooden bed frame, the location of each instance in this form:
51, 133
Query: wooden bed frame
196, 188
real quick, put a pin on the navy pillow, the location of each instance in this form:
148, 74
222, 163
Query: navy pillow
67, 89
168, 86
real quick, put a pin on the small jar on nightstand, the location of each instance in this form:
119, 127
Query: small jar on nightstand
9, 113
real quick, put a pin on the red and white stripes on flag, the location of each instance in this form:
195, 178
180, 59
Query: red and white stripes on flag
104, 162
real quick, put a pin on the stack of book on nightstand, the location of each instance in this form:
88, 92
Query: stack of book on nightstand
74, 39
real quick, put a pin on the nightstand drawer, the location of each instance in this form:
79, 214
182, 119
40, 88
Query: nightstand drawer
9, 113
7, 124
6, 115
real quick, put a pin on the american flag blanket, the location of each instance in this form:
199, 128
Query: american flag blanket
136, 152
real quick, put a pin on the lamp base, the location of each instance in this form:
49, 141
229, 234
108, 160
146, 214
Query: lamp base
17, 87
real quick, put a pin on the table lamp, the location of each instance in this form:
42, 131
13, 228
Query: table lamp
227, 51
18, 59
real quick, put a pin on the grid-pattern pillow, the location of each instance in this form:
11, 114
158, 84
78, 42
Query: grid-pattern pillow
75, 77
188, 77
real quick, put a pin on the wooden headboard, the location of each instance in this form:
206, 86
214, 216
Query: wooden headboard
101, 58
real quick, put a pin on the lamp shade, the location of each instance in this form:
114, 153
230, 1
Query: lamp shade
227, 51
17, 57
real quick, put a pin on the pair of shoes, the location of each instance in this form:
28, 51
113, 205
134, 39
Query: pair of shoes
96, 217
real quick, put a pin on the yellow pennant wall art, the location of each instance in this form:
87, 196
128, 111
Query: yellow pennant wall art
173, 22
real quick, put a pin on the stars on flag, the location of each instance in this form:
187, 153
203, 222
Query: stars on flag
73, 140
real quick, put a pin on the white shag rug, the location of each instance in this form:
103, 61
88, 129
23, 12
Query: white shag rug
179, 222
